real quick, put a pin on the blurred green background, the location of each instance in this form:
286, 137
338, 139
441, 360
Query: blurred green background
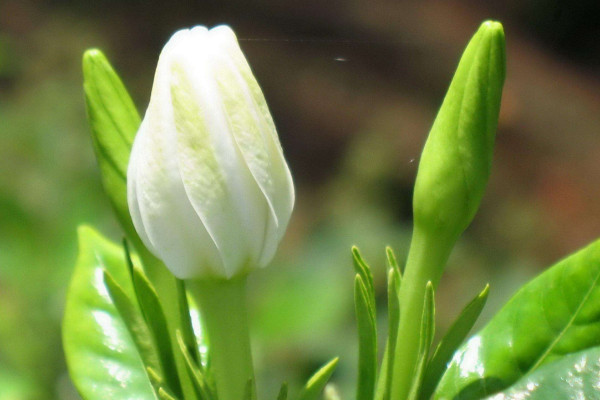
353, 86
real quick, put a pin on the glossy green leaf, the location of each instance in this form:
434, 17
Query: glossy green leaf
556, 314
317, 382
102, 358
367, 341
576, 376
450, 342
114, 122
426, 338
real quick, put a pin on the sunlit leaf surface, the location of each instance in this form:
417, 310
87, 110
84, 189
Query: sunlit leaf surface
102, 358
554, 315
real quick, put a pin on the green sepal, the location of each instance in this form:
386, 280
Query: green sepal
367, 341
426, 338
249, 390
283, 392
450, 342
114, 121
363, 269
203, 387
317, 382
136, 325
187, 331
156, 379
384, 383
165, 394
393, 262
157, 323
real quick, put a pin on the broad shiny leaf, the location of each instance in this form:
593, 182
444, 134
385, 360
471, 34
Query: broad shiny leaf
576, 376
556, 314
102, 358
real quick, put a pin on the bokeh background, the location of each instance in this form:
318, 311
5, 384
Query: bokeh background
353, 86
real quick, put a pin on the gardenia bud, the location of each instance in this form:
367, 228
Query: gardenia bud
457, 157
209, 190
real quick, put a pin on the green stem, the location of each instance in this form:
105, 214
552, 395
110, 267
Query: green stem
223, 309
426, 260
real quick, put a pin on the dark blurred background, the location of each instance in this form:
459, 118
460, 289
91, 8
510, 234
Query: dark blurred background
353, 87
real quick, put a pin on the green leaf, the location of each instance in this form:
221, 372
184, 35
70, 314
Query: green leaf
426, 338
367, 341
317, 382
155, 318
450, 342
283, 392
572, 377
102, 358
555, 314
114, 122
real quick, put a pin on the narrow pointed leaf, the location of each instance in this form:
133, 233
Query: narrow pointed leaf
187, 330
155, 318
426, 337
363, 269
555, 314
201, 384
450, 342
135, 323
393, 262
384, 384
165, 394
317, 382
103, 360
114, 122
367, 342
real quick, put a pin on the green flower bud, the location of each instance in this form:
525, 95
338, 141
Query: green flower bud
453, 171
456, 161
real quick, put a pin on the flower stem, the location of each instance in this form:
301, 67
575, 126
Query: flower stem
223, 309
426, 260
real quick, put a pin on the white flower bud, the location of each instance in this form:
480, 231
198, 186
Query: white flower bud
209, 190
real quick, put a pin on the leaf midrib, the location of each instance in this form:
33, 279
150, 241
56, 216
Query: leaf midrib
556, 340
